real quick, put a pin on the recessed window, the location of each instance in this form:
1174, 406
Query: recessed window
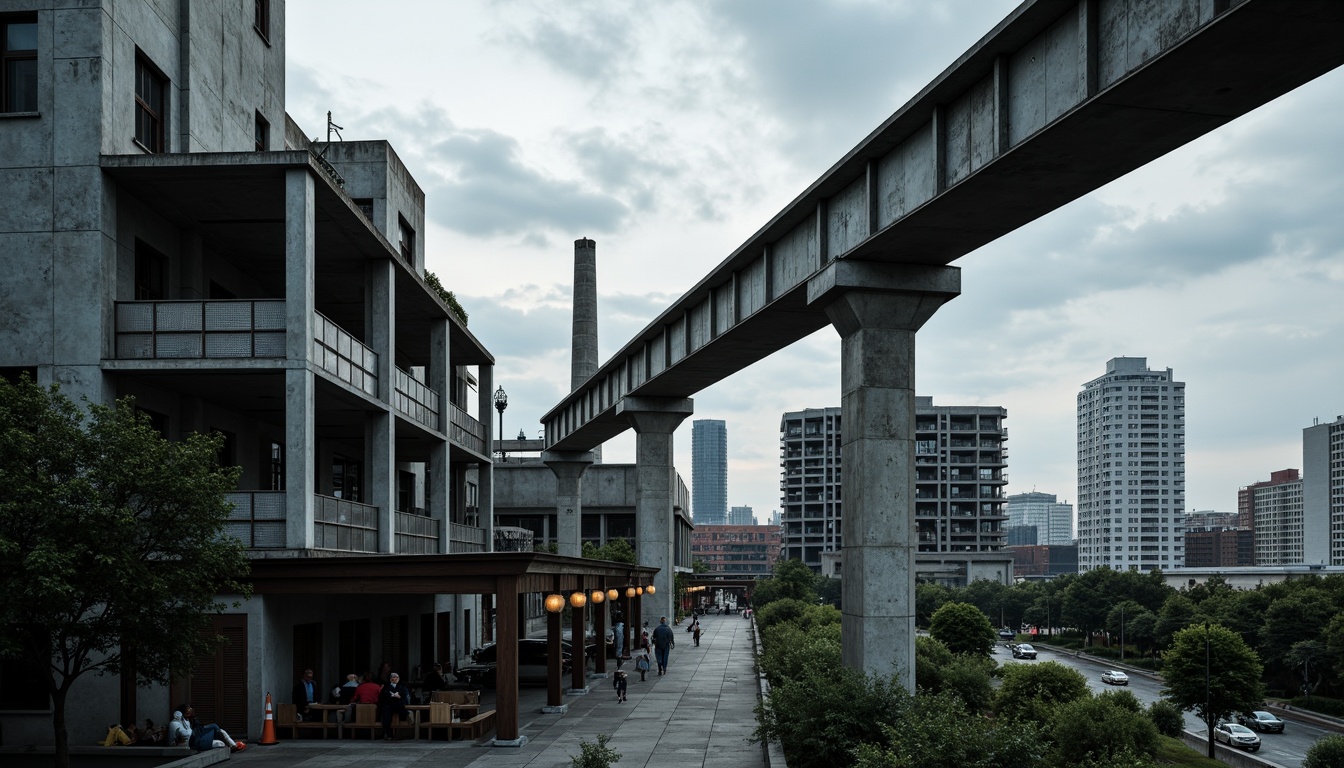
151, 89
262, 19
151, 273
18, 64
262, 133
406, 240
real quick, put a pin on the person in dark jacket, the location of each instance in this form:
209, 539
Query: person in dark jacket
393, 700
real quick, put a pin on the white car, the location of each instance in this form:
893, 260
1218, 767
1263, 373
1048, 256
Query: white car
1238, 736
1024, 651
1114, 677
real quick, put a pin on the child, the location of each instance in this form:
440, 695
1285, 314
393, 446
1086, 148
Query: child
642, 664
620, 685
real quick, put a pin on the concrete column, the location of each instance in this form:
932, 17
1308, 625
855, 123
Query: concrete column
568, 467
655, 420
439, 376
485, 408
381, 427
876, 308
300, 417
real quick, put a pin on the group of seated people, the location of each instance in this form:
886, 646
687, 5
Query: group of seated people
125, 736
383, 688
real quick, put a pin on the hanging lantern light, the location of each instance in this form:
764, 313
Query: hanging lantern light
555, 603
649, 590
629, 591
598, 596
639, 590
613, 594
578, 600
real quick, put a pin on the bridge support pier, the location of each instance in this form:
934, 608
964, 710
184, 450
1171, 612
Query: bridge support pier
877, 308
568, 467
654, 420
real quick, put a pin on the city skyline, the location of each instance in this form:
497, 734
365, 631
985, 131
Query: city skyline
670, 134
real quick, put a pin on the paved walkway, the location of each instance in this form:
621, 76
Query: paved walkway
700, 714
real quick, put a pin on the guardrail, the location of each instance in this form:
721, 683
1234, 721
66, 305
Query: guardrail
257, 519
342, 355
176, 330
346, 526
413, 398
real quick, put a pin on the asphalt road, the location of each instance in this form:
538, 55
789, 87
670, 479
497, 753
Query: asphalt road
1288, 749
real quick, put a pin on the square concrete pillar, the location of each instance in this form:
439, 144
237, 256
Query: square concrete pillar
300, 385
568, 467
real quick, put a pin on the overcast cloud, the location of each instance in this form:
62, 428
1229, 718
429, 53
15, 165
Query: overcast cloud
671, 132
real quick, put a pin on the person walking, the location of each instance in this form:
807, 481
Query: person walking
663, 642
620, 684
696, 633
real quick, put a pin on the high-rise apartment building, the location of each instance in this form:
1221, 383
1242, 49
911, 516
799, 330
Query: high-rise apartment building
1274, 508
741, 516
709, 472
1323, 492
1131, 468
1052, 519
960, 460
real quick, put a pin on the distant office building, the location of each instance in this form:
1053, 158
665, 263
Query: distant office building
1217, 548
1044, 560
1131, 468
1209, 520
709, 472
737, 550
1323, 492
1052, 519
959, 515
1021, 535
1274, 508
741, 516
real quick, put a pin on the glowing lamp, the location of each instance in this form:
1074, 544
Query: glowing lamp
555, 603
578, 600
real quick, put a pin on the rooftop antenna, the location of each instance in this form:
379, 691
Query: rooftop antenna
333, 128
322, 156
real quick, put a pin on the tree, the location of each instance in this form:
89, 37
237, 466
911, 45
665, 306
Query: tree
792, 580
929, 597
1177, 613
1031, 692
1325, 753
1100, 727
963, 628
615, 550
1210, 670
111, 544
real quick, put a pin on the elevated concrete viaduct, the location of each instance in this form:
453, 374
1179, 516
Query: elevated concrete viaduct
1060, 98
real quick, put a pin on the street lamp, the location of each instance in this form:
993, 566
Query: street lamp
501, 402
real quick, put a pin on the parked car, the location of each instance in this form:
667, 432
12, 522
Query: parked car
1238, 736
1262, 721
1114, 677
532, 663
1006, 634
1024, 651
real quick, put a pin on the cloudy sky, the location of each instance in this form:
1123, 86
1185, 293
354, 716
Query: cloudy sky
670, 132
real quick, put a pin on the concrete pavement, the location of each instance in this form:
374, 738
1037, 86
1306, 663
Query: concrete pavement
700, 714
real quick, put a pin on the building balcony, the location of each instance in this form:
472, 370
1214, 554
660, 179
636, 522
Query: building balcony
176, 330
345, 526
417, 401
257, 519
416, 534
465, 431
342, 355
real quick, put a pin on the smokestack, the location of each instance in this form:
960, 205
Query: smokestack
583, 353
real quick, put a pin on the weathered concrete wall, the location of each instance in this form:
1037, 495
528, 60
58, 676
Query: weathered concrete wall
373, 170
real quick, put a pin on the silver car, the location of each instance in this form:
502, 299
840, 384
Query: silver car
1238, 736
1024, 651
1114, 677
1261, 721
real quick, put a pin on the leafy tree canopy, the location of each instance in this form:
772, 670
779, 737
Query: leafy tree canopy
1210, 670
110, 540
615, 550
792, 580
963, 628
1100, 727
1032, 691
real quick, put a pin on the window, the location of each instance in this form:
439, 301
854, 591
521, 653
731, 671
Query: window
365, 206
406, 240
262, 133
150, 98
151, 273
18, 64
262, 19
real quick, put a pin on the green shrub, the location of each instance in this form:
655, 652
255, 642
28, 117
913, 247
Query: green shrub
820, 719
937, 731
1326, 753
1100, 728
1124, 700
1031, 692
781, 611
1322, 704
931, 657
597, 755
968, 678
963, 628
1167, 717
790, 652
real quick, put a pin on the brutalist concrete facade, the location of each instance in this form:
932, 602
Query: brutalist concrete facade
168, 233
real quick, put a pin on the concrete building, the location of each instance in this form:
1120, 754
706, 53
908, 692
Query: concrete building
1274, 508
959, 478
1043, 560
1323, 492
1131, 468
709, 471
737, 550
1223, 547
1052, 519
1210, 520
741, 516
170, 234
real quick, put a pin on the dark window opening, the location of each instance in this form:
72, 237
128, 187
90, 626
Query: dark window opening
218, 291
406, 492
228, 452
158, 421
353, 648
274, 471
261, 131
18, 64
151, 95
406, 240
261, 20
12, 374
151, 273
346, 479
365, 206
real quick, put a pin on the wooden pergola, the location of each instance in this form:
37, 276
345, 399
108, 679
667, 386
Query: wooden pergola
507, 576
746, 584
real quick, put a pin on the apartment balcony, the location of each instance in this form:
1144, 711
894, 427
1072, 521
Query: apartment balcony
342, 355
416, 534
417, 401
257, 519
345, 526
465, 538
177, 330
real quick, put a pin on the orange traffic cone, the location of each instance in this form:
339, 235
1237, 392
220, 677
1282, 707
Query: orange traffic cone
268, 729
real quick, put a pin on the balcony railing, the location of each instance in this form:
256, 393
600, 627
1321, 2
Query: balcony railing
175, 330
416, 400
465, 538
343, 356
466, 431
257, 519
416, 534
347, 526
